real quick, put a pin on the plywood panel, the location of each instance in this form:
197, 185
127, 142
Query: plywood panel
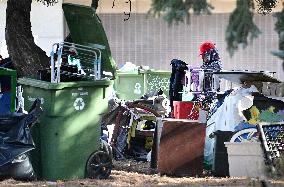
181, 148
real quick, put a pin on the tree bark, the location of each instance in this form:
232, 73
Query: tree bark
27, 57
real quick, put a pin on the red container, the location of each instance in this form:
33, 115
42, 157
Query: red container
185, 110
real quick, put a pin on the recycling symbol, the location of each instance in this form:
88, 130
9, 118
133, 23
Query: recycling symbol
137, 88
79, 104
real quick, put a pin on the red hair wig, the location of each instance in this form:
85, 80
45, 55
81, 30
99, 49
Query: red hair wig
205, 47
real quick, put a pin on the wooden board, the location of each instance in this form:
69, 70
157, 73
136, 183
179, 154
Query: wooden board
181, 148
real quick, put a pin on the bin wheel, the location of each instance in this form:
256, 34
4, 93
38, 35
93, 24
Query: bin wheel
245, 135
106, 148
99, 165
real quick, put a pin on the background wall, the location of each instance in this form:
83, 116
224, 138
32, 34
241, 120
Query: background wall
47, 25
153, 43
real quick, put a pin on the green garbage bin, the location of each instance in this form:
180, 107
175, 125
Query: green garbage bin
68, 130
157, 79
87, 29
132, 85
8, 81
129, 85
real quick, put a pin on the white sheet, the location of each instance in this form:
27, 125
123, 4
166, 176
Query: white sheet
228, 116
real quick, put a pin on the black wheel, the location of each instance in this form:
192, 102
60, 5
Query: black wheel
99, 165
106, 148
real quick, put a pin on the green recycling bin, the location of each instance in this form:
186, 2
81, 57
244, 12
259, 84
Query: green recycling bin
87, 29
68, 131
132, 85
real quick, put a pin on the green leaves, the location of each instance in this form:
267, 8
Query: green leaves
48, 2
265, 6
178, 10
241, 26
279, 28
201, 7
279, 54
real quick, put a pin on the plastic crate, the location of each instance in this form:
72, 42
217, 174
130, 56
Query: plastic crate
272, 137
245, 159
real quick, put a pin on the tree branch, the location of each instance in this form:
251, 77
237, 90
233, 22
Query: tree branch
178, 10
241, 26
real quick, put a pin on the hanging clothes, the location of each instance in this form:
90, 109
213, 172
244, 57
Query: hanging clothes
176, 80
211, 63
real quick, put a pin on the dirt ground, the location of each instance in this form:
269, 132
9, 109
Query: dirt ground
131, 173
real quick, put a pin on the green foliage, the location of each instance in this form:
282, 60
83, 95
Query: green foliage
48, 2
279, 27
266, 6
279, 54
95, 4
200, 6
177, 10
241, 26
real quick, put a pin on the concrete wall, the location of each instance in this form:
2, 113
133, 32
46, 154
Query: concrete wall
142, 6
149, 41
153, 43
3, 48
47, 25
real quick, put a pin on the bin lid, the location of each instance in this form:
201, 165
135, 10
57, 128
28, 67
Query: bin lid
5, 71
62, 85
86, 29
240, 76
137, 72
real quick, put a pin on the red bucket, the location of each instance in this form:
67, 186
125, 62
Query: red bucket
185, 110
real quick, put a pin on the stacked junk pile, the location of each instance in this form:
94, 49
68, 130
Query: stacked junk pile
227, 123
210, 128
82, 114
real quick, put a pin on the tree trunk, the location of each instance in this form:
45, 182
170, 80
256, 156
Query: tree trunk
27, 57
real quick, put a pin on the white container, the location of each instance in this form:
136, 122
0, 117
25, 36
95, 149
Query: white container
245, 159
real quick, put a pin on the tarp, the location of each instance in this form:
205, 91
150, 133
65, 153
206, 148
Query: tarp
15, 136
227, 116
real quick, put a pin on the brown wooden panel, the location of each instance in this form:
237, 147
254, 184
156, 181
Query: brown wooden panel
181, 148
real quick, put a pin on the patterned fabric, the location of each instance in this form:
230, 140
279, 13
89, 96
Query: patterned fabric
176, 80
211, 63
